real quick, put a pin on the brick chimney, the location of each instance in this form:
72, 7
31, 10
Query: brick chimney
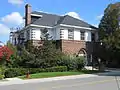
28, 11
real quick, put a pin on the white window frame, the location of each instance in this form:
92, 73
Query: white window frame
70, 34
82, 35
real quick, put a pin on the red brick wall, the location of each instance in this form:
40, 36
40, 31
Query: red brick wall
28, 11
72, 46
66, 46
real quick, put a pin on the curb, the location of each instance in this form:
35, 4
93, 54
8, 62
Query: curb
13, 82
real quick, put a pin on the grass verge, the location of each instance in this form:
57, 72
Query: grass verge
55, 74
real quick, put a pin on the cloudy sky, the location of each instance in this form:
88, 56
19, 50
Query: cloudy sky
12, 11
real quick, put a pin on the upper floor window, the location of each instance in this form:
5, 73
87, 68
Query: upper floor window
28, 34
61, 33
82, 35
70, 34
93, 36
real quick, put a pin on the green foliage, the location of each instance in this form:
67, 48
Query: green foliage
13, 48
13, 72
2, 71
1, 76
109, 32
57, 69
80, 62
109, 22
45, 56
72, 63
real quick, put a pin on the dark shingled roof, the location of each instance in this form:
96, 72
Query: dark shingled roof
52, 20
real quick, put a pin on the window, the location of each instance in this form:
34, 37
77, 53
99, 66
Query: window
82, 35
28, 35
93, 37
61, 33
70, 34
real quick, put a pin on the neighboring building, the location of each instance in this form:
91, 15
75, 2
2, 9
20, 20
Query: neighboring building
73, 36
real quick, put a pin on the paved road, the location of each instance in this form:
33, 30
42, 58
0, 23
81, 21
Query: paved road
101, 82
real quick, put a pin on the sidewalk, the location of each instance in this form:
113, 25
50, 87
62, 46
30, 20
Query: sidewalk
12, 81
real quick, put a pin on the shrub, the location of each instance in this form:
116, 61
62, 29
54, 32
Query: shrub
35, 70
2, 71
71, 62
80, 62
57, 69
13, 72
1, 76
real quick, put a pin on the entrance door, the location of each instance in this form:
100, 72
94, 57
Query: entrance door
83, 53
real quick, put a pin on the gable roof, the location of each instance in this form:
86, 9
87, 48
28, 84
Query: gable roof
52, 20
46, 19
68, 20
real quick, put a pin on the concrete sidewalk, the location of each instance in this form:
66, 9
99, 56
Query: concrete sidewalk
12, 81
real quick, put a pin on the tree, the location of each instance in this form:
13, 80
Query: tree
5, 53
47, 54
43, 56
109, 31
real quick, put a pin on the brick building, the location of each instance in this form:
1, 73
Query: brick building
73, 36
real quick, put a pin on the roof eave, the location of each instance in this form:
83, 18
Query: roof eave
79, 27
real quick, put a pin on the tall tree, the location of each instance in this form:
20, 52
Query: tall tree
109, 31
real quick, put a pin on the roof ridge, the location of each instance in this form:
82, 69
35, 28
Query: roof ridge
81, 20
46, 13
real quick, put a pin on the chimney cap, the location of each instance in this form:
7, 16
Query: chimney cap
28, 5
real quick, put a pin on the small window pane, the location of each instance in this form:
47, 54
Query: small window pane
70, 34
82, 35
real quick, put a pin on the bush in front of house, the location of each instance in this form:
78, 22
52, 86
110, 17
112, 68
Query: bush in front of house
57, 69
1, 74
80, 63
14, 72
72, 62
2, 71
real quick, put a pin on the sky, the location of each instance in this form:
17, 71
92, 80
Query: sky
12, 11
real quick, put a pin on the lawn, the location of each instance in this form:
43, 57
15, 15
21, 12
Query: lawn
55, 74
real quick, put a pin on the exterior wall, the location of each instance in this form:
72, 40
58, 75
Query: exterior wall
97, 36
64, 34
76, 34
88, 36
72, 46
14, 38
35, 34
57, 33
51, 34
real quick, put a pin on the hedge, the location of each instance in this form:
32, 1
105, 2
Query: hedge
72, 63
2, 71
14, 72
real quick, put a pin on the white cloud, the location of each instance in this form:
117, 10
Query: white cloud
4, 30
99, 17
74, 14
16, 2
13, 19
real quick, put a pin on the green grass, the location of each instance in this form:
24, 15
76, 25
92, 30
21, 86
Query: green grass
55, 74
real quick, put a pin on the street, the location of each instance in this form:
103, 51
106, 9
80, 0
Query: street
100, 82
